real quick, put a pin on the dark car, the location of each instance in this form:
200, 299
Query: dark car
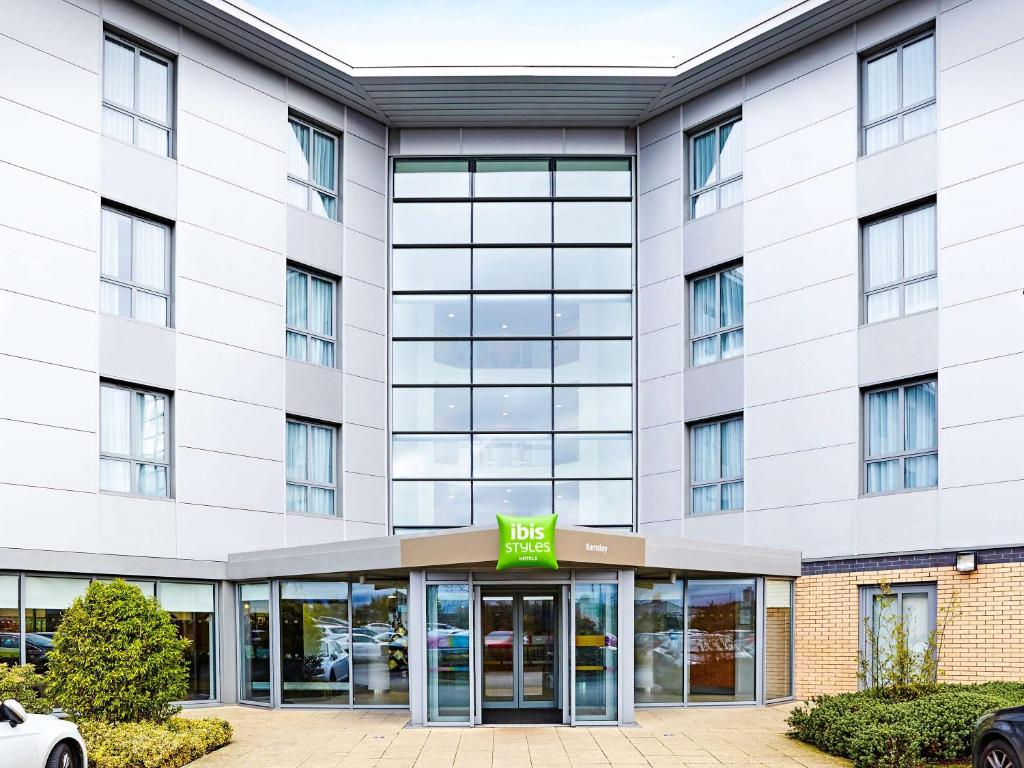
998, 740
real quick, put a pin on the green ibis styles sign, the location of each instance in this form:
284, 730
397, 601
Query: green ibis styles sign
526, 542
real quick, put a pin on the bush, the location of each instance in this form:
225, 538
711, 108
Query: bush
171, 744
875, 729
22, 683
117, 657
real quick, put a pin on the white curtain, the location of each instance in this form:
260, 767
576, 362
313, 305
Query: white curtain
705, 500
919, 72
182, 597
153, 81
883, 422
321, 501
152, 480
298, 150
883, 97
705, 453
296, 452
919, 242
321, 308
883, 476
152, 410
321, 455
115, 421
116, 244
732, 495
295, 497
705, 316
705, 156
731, 289
149, 265
118, 73
883, 245
323, 160
117, 125
731, 143
296, 300
732, 448
921, 419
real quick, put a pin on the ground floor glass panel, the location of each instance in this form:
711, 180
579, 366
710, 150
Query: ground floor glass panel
254, 642
380, 612
596, 651
721, 640
658, 659
448, 667
315, 643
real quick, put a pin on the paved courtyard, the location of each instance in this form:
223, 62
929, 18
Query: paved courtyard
733, 737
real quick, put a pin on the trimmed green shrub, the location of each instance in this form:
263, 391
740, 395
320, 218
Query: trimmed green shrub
25, 685
171, 744
875, 729
117, 657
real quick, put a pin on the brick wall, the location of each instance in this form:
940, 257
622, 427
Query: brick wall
777, 644
982, 638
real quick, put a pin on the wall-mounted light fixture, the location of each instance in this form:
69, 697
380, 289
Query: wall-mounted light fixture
672, 577
966, 562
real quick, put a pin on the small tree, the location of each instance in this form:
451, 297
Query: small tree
889, 663
25, 685
117, 657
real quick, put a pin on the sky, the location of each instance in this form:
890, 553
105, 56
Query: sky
370, 33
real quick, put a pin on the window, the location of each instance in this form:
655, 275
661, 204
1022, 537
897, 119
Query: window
716, 159
882, 611
312, 169
135, 268
899, 265
901, 437
716, 469
310, 316
137, 95
899, 93
512, 340
310, 468
134, 452
716, 317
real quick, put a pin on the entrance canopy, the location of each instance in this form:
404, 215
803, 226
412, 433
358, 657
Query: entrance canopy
477, 547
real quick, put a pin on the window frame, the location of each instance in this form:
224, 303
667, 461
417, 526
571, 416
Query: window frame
306, 484
868, 593
720, 330
306, 332
139, 50
134, 286
311, 186
902, 281
720, 481
134, 457
903, 453
719, 182
901, 112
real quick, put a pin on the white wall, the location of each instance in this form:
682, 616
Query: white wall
224, 193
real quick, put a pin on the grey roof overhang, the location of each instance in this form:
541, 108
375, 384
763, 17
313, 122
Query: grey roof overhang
526, 95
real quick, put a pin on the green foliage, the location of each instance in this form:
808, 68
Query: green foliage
117, 657
22, 683
172, 744
873, 728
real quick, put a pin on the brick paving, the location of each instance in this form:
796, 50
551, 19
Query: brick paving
747, 737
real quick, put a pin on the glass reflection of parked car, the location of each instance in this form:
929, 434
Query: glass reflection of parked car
377, 627
10, 648
333, 661
37, 648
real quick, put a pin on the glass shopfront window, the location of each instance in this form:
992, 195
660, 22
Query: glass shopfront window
658, 642
596, 652
46, 600
316, 649
10, 621
192, 610
778, 639
254, 643
448, 668
380, 643
721, 637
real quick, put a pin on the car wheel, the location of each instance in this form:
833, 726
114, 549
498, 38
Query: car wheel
62, 756
998, 754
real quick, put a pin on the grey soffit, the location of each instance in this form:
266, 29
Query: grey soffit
515, 96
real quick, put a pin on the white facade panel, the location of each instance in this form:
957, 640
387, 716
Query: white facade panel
814, 312
27, 76
257, 484
803, 424
60, 334
27, 453
218, 260
808, 477
34, 265
817, 257
229, 210
228, 426
824, 364
221, 370
815, 204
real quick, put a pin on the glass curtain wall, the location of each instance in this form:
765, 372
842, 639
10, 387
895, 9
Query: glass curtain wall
380, 611
10, 621
254, 642
596, 656
192, 610
512, 341
46, 600
721, 634
658, 652
448, 669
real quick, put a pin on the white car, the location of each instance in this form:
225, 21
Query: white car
38, 741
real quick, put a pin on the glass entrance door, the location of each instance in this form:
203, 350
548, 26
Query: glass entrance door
519, 649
